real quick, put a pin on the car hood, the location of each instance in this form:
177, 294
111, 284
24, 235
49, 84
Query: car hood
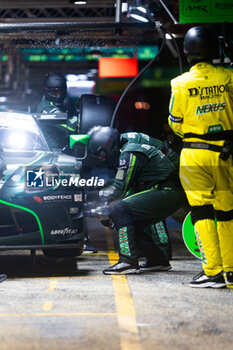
17, 159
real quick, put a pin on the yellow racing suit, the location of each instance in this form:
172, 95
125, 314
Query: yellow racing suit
201, 112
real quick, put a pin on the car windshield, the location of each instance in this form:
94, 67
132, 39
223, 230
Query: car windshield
20, 132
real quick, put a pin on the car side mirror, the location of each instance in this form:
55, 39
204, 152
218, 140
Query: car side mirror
79, 144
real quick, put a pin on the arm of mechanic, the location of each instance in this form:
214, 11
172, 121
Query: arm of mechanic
175, 118
130, 165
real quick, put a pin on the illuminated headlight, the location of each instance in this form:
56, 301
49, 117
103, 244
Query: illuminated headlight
17, 140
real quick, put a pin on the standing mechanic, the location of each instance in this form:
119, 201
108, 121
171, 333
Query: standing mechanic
2, 168
148, 165
55, 91
54, 94
201, 108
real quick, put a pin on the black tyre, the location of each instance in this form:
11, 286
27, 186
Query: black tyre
95, 110
62, 253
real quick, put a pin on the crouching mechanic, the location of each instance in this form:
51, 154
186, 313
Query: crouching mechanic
144, 164
201, 113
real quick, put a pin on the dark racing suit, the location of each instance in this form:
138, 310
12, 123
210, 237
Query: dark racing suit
57, 135
201, 112
142, 164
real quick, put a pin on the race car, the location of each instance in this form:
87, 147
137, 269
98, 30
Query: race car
41, 200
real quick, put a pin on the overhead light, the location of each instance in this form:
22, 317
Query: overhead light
139, 12
78, 2
138, 15
124, 7
71, 77
141, 9
168, 36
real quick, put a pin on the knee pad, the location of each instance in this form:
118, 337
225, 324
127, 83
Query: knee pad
224, 215
202, 212
121, 215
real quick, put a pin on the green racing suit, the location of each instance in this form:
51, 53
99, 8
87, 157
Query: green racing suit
147, 184
56, 135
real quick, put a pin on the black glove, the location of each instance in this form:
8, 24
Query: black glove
107, 222
92, 196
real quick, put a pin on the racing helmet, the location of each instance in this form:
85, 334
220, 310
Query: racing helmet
54, 87
92, 130
105, 144
199, 45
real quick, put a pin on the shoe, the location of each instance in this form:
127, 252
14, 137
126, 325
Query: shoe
203, 281
121, 268
151, 266
88, 248
3, 277
229, 279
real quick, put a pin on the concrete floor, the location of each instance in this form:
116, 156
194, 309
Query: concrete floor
54, 305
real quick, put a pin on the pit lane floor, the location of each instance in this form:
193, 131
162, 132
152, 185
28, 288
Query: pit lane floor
72, 305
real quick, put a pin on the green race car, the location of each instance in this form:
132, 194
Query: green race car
41, 199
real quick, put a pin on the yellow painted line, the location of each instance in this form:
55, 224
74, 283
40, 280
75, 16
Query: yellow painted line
88, 276
57, 277
47, 306
49, 314
94, 254
52, 286
126, 312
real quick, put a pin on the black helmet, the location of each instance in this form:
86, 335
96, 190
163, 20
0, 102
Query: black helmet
105, 144
55, 87
199, 45
92, 130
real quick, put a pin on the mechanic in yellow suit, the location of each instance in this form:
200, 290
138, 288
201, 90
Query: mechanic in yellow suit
201, 112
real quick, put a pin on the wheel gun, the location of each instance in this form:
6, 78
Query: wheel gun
101, 212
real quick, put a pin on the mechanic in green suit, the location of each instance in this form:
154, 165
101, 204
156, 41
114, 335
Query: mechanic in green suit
2, 168
54, 90
149, 168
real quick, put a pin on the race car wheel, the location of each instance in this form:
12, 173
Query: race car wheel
94, 110
62, 253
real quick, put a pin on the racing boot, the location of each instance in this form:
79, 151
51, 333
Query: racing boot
3, 277
122, 268
229, 279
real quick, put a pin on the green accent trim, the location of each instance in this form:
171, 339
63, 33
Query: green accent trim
135, 194
34, 161
214, 128
198, 240
68, 127
177, 133
189, 237
129, 174
172, 102
161, 232
85, 139
208, 11
29, 211
123, 241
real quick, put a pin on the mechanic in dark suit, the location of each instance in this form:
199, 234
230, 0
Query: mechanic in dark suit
145, 161
2, 168
53, 102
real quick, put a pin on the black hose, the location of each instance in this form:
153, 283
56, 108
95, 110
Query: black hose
177, 50
137, 77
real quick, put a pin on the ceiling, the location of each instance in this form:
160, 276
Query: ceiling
40, 23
